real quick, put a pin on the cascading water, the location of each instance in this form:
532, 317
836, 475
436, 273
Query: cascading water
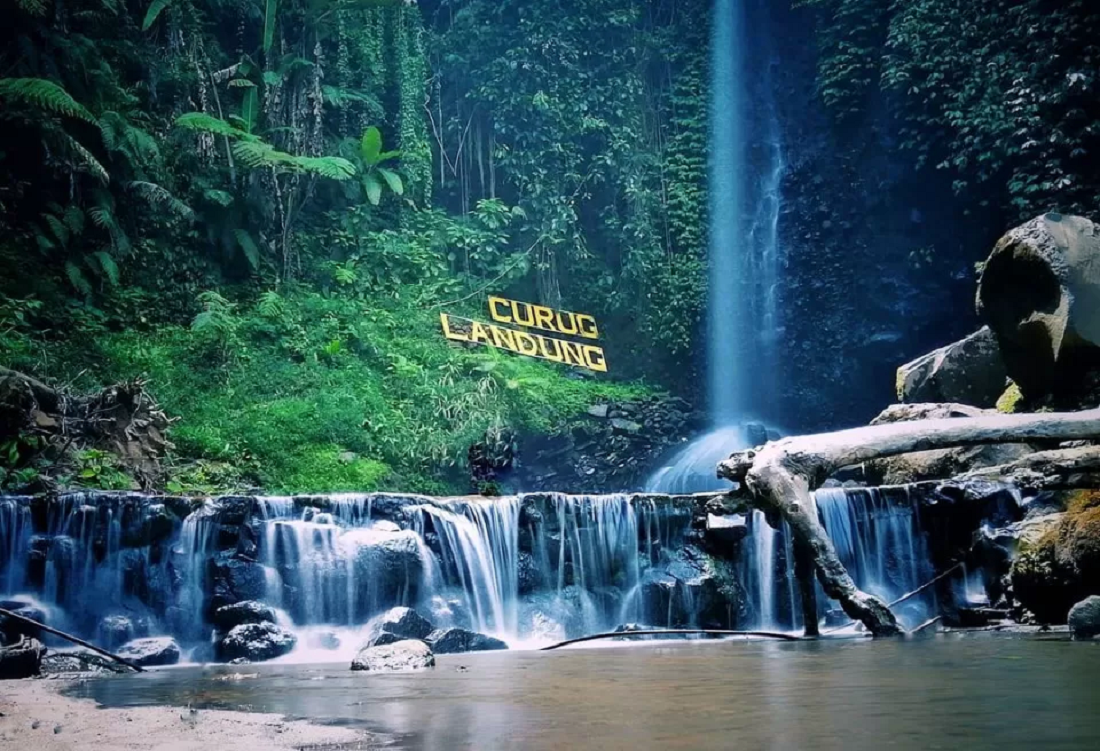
526, 569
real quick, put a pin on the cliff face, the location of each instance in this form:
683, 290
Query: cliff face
879, 257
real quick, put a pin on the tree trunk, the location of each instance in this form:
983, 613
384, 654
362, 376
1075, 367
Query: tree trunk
780, 475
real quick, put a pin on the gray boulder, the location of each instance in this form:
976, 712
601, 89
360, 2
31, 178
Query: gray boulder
256, 642
1084, 618
1040, 293
228, 617
409, 654
969, 371
154, 650
454, 640
115, 630
391, 564
236, 579
403, 622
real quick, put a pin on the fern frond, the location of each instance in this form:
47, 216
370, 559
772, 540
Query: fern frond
107, 265
45, 95
74, 220
59, 229
204, 123
32, 7
248, 247
158, 195
77, 279
219, 197
155, 9
86, 161
332, 167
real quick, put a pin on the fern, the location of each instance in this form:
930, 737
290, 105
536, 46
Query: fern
332, 167
59, 229
85, 160
248, 247
160, 196
118, 135
45, 95
32, 7
107, 265
271, 305
256, 154
74, 219
219, 197
204, 123
155, 9
77, 278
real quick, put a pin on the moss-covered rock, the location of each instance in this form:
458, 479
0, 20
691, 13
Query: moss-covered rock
1062, 567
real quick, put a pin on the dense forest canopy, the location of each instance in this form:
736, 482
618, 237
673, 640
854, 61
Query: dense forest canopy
261, 207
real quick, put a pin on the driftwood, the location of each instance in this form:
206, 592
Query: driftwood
43, 627
673, 631
780, 475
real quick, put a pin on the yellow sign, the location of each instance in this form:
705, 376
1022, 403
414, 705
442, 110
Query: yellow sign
530, 316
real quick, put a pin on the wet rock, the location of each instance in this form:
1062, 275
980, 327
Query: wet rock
11, 629
530, 577
455, 640
154, 650
725, 530
256, 642
1084, 618
399, 623
622, 425
390, 562
228, 617
755, 433
1040, 293
598, 410
383, 639
409, 654
114, 631
940, 464
22, 659
450, 611
969, 371
236, 579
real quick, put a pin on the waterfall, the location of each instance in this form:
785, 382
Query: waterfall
878, 538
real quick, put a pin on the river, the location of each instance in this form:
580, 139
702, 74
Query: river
974, 691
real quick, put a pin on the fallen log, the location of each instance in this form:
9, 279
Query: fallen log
69, 637
780, 476
673, 631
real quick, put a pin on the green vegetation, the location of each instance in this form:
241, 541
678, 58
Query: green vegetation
999, 93
262, 207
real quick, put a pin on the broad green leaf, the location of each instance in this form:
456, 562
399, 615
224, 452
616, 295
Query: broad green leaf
155, 9
373, 189
272, 8
393, 180
371, 146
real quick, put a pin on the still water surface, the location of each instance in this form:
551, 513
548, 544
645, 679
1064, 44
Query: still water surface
973, 692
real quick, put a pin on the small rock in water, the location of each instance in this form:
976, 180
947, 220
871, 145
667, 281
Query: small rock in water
35, 725
56, 729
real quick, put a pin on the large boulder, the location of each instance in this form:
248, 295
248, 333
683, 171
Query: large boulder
228, 617
1040, 294
455, 640
236, 579
256, 642
389, 563
114, 630
397, 624
154, 650
410, 654
969, 371
1084, 618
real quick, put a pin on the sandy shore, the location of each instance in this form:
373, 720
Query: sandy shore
36, 717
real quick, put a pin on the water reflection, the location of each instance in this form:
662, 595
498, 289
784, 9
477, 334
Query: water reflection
979, 692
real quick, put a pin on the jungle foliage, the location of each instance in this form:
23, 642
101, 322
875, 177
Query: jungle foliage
1002, 94
262, 206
